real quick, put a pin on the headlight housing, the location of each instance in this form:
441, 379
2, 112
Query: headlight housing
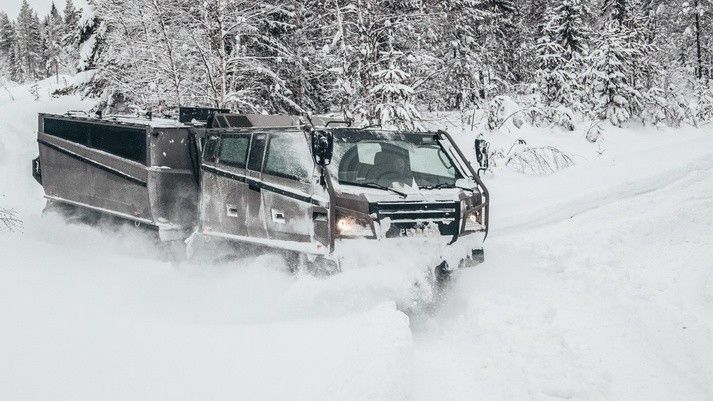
474, 221
348, 225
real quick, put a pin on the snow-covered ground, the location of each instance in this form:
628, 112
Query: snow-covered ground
598, 285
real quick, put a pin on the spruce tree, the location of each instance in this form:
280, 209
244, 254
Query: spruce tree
392, 105
501, 43
7, 43
7, 35
551, 73
617, 10
29, 40
572, 32
70, 36
617, 97
15, 64
463, 55
54, 28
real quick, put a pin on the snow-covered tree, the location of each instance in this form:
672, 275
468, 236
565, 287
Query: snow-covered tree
29, 43
617, 10
612, 84
53, 35
464, 69
392, 93
704, 102
501, 43
572, 32
7, 42
552, 75
70, 37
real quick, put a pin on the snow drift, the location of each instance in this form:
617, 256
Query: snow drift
597, 286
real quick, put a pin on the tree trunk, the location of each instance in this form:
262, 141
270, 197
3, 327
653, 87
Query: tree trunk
698, 39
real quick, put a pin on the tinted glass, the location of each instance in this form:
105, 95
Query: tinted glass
234, 150
391, 159
257, 150
234, 120
70, 130
288, 155
129, 143
126, 142
209, 151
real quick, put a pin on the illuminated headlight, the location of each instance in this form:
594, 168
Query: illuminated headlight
349, 226
474, 221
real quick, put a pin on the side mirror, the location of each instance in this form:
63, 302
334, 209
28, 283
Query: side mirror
322, 147
481, 154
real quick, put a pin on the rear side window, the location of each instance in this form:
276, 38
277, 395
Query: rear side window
288, 156
70, 130
234, 150
125, 142
257, 150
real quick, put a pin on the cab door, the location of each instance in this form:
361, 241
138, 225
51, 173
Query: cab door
223, 185
254, 210
288, 175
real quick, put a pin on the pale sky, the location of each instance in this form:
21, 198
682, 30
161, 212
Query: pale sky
12, 7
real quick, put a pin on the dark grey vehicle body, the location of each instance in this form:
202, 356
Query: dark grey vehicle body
245, 179
132, 168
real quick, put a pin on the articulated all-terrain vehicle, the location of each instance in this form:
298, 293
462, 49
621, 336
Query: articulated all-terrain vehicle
274, 182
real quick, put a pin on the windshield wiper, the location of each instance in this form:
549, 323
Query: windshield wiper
444, 185
374, 185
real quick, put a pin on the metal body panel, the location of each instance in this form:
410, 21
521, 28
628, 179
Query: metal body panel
161, 192
86, 176
287, 217
223, 200
169, 147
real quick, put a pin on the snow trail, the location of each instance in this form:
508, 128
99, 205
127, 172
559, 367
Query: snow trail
597, 286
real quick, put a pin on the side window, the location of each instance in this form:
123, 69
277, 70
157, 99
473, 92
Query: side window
125, 142
70, 130
128, 143
288, 155
234, 150
209, 151
257, 150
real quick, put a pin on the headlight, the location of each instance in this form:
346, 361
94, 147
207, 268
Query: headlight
350, 226
474, 221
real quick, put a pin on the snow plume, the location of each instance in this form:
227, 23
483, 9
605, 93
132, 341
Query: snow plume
94, 308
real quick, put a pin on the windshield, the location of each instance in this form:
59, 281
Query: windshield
391, 160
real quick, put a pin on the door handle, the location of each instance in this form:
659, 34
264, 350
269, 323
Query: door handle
231, 210
278, 216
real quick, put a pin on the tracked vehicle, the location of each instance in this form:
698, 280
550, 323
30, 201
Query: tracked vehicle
318, 191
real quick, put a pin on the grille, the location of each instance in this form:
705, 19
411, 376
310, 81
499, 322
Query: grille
409, 216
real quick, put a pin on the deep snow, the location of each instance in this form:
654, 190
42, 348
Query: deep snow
598, 285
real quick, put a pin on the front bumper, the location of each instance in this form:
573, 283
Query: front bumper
466, 251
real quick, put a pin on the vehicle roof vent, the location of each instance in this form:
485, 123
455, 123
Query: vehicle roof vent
254, 121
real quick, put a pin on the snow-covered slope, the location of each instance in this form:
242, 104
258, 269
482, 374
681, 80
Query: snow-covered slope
598, 285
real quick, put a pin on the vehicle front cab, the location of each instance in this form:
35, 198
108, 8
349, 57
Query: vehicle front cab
404, 189
328, 193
